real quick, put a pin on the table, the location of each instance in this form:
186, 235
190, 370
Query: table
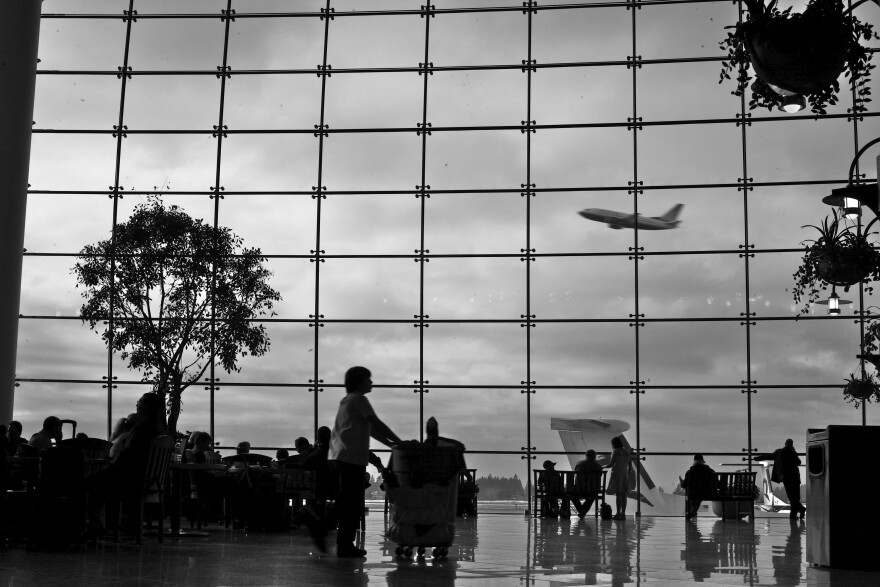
177, 471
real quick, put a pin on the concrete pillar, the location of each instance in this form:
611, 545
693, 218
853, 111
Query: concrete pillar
19, 39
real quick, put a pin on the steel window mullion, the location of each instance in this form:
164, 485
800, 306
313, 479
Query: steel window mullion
319, 196
115, 195
216, 196
425, 70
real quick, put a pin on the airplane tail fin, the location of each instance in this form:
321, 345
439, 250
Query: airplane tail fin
672, 214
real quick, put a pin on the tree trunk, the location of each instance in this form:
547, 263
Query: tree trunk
174, 406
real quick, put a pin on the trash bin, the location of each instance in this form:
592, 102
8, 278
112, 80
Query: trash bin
843, 468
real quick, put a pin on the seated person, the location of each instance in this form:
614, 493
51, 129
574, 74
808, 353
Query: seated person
699, 482
125, 474
48, 435
316, 459
120, 433
201, 451
237, 461
281, 456
552, 484
586, 483
303, 448
13, 438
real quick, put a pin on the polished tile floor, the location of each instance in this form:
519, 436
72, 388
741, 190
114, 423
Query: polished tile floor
492, 549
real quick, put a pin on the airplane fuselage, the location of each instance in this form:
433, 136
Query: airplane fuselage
618, 220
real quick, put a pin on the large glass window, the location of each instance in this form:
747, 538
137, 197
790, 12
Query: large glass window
416, 183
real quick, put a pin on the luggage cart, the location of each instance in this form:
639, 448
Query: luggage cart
422, 502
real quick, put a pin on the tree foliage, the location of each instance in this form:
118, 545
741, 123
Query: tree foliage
162, 277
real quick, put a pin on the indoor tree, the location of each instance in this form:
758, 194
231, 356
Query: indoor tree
180, 293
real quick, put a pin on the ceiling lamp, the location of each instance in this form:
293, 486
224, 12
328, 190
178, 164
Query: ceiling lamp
793, 103
834, 302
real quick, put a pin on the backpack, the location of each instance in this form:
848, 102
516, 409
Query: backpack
605, 512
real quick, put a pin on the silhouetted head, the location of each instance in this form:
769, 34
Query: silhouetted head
149, 406
243, 448
698, 458
281, 454
323, 435
52, 427
201, 440
301, 444
789, 443
591, 455
357, 380
549, 465
15, 429
616, 442
432, 429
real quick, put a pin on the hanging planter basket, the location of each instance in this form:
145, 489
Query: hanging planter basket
800, 55
861, 389
846, 267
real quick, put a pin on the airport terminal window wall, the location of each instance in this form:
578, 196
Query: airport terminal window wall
413, 175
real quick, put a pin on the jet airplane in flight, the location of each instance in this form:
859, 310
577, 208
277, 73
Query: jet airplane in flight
618, 220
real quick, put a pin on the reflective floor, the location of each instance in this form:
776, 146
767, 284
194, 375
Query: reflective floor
492, 549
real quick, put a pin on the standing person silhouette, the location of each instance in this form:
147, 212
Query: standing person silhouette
790, 463
618, 483
349, 452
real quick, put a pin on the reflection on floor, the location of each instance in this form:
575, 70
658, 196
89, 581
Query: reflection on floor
492, 549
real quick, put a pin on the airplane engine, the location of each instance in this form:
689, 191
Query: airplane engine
614, 226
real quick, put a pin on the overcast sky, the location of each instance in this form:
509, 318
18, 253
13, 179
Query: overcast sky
581, 356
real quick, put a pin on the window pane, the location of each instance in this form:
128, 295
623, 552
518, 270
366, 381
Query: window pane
84, 403
186, 162
372, 161
582, 157
176, 44
40, 338
48, 287
172, 102
370, 224
477, 98
690, 161
282, 43
475, 354
72, 162
267, 162
582, 287
806, 352
277, 225
567, 95
369, 289
390, 351
475, 223
97, 44
476, 160
475, 288
697, 286
583, 354
693, 353
93, 213
596, 34
290, 414
478, 39
377, 41
684, 30
272, 101
76, 102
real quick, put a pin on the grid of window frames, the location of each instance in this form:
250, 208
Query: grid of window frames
413, 174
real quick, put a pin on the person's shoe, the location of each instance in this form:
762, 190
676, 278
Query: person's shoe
350, 552
619, 516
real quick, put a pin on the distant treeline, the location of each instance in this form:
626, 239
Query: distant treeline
496, 488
